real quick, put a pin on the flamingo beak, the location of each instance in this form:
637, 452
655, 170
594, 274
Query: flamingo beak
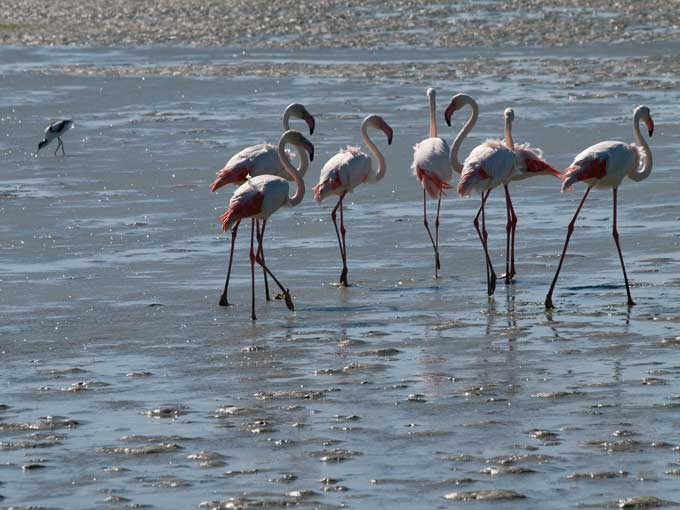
310, 122
389, 133
650, 126
448, 113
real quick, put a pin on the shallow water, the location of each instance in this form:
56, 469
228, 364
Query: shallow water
398, 391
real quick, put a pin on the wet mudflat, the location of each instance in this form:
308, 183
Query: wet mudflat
126, 386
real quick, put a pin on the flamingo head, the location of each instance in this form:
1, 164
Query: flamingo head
509, 114
642, 112
378, 122
457, 102
431, 93
295, 138
298, 111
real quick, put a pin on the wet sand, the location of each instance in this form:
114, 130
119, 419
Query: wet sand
126, 386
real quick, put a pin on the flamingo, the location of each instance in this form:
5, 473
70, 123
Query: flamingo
56, 130
488, 166
345, 171
260, 197
604, 165
261, 159
432, 167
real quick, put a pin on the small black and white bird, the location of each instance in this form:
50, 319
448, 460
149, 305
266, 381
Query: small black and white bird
56, 130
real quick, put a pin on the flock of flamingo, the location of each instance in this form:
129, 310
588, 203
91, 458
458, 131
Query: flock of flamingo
262, 173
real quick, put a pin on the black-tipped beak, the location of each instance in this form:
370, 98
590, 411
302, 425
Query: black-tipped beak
310, 149
389, 138
448, 113
311, 122
650, 126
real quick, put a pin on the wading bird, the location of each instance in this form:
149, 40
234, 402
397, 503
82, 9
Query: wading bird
432, 167
261, 159
345, 171
488, 166
604, 165
260, 197
56, 130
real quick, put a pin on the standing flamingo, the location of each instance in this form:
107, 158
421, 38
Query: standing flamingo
345, 171
261, 159
432, 167
488, 166
258, 199
604, 165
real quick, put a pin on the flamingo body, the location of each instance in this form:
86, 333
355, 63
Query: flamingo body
488, 166
530, 162
431, 165
343, 172
258, 198
603, 165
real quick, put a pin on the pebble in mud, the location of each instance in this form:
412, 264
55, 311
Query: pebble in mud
485, 495
506, 470
598, 475
643, 502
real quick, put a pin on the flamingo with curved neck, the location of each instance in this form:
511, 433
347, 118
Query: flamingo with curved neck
605, 165
259, 198
345, 171
491, 164
432, 167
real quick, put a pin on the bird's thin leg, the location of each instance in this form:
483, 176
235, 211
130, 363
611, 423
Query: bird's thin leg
484, 234
286, 293
491, 275
260, 244
570, 229
615, 233
429, 233
252, 269
510, 241
343, 231
436, 232
223, 298
337, 233
63, 152
58, 145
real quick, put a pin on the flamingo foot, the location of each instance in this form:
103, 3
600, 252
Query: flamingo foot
549, 303
343, 278
285, 295
224, 301
508, 277
631, 302
491, 288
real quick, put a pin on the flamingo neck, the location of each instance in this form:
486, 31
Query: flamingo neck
642, 173
286, 119
382, 167
472, 120
294, 172
433, 118
509, 143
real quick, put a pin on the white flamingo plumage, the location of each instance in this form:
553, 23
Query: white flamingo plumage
260, 197
489, 165
261, 159
604, 165
345, 171
432, 167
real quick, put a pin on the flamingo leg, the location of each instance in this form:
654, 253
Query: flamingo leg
341, 240
429, 233
286, 293
252, 270
510, 239
58, 145
615, 233
260, 244
484, 233
436, 230
570, 230
491, 274
63, 152
223, 298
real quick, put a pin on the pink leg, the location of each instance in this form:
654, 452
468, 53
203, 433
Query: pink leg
223, 298
429, 233
436, 230
510, 239
285, 292
615, 233
260, 243
570, 229
484, 233
491, 274
252, 270
341, 239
